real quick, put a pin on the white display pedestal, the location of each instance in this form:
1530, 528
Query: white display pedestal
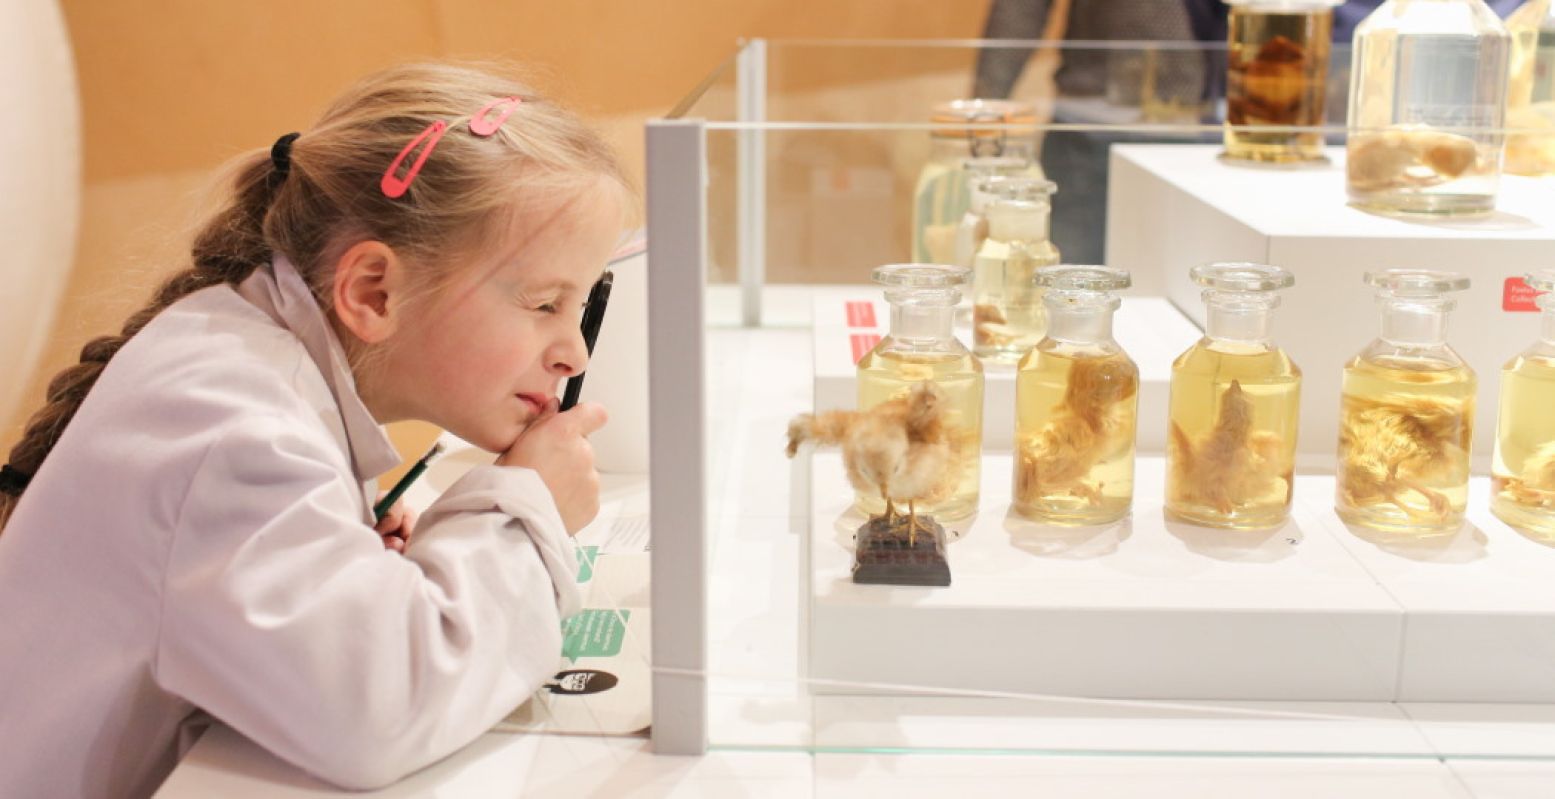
850, 321
1148, 609
1173, 206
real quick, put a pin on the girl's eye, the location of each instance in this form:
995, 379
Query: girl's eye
549, 307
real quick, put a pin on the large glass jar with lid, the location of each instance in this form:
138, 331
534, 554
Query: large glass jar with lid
920, 347
965, 129
1277, 77
1428, 85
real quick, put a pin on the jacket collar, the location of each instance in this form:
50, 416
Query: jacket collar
280, 291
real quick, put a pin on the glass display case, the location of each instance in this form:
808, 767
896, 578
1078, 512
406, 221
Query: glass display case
783, 180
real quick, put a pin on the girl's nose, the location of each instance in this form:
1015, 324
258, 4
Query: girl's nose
570, 356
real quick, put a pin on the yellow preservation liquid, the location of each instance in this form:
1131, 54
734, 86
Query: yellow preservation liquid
1075, 424
1404, 433
1277, 75
888, 375
1523, 472
1232, 438
1076, 407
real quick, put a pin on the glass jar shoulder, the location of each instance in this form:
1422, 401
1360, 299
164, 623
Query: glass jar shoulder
1051, 349
1248, 363
949, 357
1440, 360
1430, 18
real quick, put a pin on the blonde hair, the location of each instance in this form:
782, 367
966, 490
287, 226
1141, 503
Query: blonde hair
540, 157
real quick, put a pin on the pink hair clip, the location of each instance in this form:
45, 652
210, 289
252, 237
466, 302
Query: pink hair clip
394, 186
483, 125
485, 122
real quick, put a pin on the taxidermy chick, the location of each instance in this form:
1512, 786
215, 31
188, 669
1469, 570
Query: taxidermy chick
904, 448
1232, 464
1398, 445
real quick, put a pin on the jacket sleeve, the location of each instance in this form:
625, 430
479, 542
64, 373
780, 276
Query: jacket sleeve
285, 617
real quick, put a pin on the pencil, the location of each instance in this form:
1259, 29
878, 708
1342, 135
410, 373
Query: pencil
383, 505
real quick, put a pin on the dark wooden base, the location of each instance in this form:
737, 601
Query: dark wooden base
884, 556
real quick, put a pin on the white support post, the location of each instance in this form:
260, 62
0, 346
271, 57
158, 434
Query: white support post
677, 278
751, 186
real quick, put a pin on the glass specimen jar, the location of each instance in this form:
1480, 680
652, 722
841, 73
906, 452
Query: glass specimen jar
919, 347
1530, 99
982, 175
1076, 405
1406, 413
1277, 75
1427, 108
941, 195
1523, 469
1007, 313
1235, 403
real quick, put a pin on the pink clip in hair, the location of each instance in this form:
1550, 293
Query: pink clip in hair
395, 187
483, 125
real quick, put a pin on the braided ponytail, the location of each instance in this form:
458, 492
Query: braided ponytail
226, 250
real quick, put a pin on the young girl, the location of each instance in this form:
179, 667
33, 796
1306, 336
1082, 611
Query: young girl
187, 521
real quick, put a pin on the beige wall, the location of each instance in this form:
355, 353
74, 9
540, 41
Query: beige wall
171, 88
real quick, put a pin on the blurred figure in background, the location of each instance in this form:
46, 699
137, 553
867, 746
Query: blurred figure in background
1105, 85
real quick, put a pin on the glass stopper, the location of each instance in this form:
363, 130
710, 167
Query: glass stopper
1005, 188
921, 276
1417, 282
1241, 277
1083, 278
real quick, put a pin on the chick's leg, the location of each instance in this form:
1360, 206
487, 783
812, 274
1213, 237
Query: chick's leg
912, 522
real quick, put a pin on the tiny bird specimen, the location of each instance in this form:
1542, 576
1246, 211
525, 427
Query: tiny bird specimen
1091, 424
1233, 464
1400, 445
904, 448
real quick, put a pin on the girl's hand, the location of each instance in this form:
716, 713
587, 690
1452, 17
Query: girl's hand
396, 525
556, 445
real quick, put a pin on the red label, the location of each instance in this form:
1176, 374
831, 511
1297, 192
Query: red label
862, 344
1518, 296
861, 314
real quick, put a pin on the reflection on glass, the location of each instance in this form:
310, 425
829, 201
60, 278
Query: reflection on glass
942, 194
1007, 316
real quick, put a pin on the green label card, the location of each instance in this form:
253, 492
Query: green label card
586, 557
594, 634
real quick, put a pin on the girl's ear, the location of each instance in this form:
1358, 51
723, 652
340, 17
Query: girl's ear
368, 280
